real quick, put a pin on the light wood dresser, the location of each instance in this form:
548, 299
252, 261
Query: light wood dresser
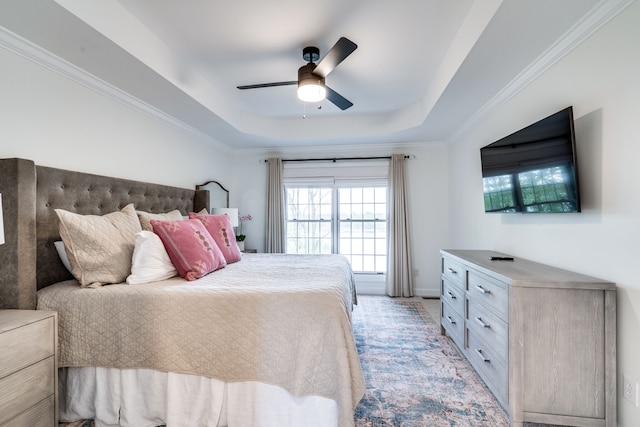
542, 339
28, 368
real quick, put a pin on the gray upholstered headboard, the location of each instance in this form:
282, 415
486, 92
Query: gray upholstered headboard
30, 195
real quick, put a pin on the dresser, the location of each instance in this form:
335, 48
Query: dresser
28, 368
542, 339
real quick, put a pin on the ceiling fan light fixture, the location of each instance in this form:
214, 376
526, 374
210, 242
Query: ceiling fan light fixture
311, 77
311, 87
312, 91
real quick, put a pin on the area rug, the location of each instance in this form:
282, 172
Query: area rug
415, 377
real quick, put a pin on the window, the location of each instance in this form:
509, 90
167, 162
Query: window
309, 213
362, 230
351, 221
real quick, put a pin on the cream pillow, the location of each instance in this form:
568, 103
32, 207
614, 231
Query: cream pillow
150, 261
99, 248
145, 217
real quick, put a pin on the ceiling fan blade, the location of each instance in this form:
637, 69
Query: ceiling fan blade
295, 82
340, 101
338, 53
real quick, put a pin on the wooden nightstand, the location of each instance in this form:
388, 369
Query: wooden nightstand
28, 368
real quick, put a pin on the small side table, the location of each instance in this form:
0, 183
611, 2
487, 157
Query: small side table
28, 368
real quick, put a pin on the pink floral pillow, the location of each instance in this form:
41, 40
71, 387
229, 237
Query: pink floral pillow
191, 248
220, 228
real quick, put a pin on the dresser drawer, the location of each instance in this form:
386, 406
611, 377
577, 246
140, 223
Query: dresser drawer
490, 292
26, 345
25, 388
492, 370
491, 330
454, 296
453, 323
40, 415
454, 272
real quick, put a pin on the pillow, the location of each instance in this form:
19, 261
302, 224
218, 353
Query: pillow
203, 211
220, 228
150, 261
191, 248
62, 253
145, 217
99, 248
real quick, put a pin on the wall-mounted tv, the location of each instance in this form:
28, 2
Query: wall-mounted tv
534, 169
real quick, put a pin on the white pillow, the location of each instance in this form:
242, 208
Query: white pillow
62, 253
150, 261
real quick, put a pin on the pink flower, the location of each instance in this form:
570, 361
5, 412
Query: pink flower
240, 235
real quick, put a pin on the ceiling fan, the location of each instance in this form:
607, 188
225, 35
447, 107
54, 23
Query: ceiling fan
311, 84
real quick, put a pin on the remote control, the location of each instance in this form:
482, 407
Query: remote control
501, 258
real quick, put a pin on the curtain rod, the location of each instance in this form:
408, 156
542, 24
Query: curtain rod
335, 159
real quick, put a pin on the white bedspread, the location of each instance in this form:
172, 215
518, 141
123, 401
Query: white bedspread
276, 319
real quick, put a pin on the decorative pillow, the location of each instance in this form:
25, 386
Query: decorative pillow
99, 248
150, 261
220, 228
62, 253
191, 248
203, 211
146, 217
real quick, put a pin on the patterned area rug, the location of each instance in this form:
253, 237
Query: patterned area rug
415, 377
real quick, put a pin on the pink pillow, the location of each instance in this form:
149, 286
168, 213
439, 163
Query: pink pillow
220, 228
191, 248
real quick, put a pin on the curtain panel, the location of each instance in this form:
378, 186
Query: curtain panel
275, 235
400, 268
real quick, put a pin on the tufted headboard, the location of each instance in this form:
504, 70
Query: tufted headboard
30, 195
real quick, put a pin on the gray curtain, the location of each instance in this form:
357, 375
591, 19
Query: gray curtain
275, 208
399, 264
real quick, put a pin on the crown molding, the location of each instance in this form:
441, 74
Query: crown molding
36, 54
600, 15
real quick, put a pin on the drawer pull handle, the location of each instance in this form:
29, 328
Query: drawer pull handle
451, 270
482, 356
483, 290
484, 325
452, 296
453, 322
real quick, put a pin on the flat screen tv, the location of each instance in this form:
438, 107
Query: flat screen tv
534, 169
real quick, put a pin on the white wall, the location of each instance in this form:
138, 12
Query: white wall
601, 79
58, 122
428, 203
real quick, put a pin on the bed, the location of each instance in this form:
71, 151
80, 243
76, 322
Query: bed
265, 341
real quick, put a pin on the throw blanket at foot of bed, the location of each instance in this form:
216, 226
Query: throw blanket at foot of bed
278, 319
